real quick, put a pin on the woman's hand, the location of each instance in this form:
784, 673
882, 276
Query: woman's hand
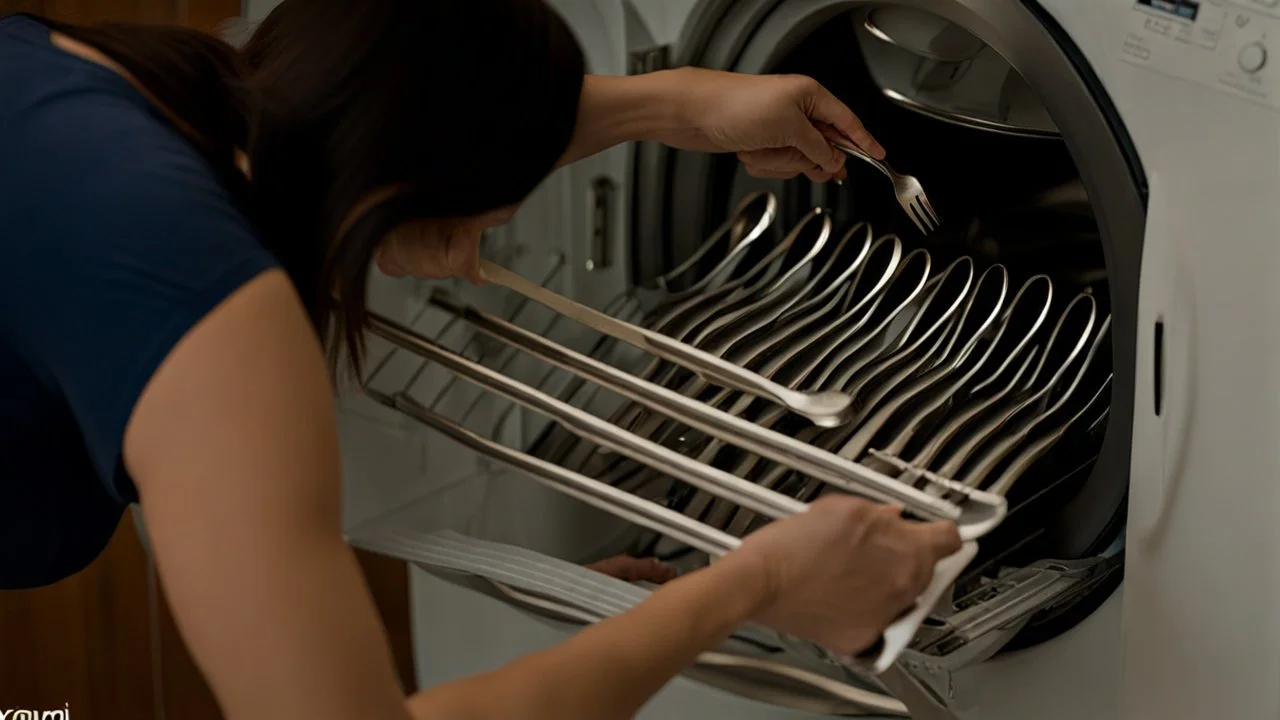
841, 572
633, 569
437, 248
775, 123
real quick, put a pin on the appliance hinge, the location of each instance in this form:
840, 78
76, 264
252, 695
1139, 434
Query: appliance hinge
600, 203
650, 60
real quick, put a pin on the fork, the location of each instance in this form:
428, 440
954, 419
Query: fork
910, 195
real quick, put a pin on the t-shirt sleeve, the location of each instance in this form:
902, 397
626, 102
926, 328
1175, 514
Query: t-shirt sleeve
119, 241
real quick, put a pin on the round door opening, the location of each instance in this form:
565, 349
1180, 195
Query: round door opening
998, 350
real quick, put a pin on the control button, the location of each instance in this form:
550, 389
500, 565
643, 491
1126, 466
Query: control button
1253, 56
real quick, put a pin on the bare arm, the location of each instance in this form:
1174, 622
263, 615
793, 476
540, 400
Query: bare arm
777, 124
233, 447
613, 110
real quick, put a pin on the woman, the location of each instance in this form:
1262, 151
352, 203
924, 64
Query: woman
184, 224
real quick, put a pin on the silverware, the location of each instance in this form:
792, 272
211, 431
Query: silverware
688, 317
910, 194
899, 278
791, 333
1038, 447
894, 638
978, 514
982, 308
749, 220
1037, 410
848, 342
724, 336
621, 504
598, 430
948, 388
825, 409
1066, 343
867, 382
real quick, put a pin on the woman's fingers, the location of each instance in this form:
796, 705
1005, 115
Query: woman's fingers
632, 569
942, 537
811, 142
432, 250
786, 163
463, 255
825, 108
384, 258
786, 159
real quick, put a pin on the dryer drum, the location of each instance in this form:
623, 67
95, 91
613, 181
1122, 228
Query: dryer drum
995, 355
1049, 189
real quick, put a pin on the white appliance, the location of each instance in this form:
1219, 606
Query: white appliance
1163, 112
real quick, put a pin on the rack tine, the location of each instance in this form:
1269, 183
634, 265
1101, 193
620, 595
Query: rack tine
556, 266
826, 409
980, 513
766, 502
572, 387
621, 504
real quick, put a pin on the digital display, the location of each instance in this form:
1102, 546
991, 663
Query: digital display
1185, 9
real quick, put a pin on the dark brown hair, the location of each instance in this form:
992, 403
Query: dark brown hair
465, 104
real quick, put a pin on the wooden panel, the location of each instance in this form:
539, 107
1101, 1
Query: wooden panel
83, 641
202, 14
87, 11
207, 14
187, 695
389, 582
184, 692
87, 641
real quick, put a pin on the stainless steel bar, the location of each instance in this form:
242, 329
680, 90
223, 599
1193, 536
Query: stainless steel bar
686, 469
979, 515
895, 637
624, 505
825, 409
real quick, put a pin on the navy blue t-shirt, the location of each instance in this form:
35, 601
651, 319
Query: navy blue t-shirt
115, 240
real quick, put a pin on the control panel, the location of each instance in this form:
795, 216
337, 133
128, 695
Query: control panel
1230, 45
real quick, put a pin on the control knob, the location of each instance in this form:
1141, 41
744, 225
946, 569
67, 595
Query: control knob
1252, 57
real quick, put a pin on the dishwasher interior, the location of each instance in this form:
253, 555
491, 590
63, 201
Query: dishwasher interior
981, 354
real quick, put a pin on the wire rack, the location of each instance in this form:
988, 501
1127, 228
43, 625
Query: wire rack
967, 383
957, 375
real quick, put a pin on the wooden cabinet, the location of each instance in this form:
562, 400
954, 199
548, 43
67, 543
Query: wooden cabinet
203, 14
103, 642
